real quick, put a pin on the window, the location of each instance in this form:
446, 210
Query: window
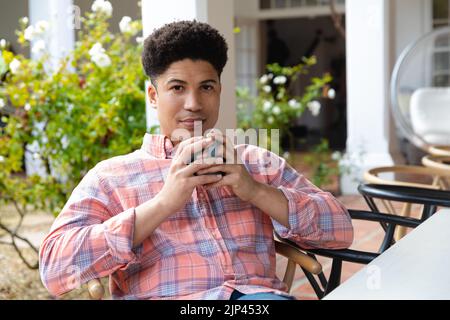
286, 4
441, 13
441, 54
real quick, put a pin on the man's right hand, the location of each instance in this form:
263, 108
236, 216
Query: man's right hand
181, 179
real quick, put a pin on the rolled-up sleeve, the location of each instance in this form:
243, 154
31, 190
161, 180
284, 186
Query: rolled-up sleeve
316, 218
88, 239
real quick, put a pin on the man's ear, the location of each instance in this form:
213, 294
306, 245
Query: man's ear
152, 94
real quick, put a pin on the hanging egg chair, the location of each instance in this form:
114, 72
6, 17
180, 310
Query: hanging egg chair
420, 92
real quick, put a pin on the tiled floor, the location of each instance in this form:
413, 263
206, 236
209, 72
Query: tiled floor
368, 237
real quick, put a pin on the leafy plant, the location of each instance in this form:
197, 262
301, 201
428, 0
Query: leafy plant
68, 115
275, 107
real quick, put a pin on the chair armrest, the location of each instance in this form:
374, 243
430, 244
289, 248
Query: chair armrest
372, 176
95, 289
346, 255
357, 256
406, 194
384, 217
293, 252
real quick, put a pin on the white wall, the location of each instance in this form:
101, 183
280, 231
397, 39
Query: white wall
10, 13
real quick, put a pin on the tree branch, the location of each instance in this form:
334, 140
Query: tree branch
337, 19
14, 235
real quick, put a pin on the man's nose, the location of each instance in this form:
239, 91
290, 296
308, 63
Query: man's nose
192, 102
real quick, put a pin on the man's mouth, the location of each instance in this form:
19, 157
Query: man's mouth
191, 122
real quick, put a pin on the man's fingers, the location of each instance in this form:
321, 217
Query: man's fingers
185, 143
193, 168
230, 151
191, 150
225, 181
216, 168
206, 179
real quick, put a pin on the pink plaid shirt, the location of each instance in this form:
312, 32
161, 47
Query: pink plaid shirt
215, 244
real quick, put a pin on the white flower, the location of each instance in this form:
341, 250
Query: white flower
27, 107
331, 93
102, 6
2, 103
96, 49
102, 60
14, 66
24, 20
336, 156
294, 104
70, 107
131, 119
39, 47
264, 79
36, 156
314, 107
267, 105
29, 33
125, 25
98, 56
2, 43
41, 27
270, 76
280, 80
276, 110
2, 159
139, 40
64, 142
270, 120
267, 89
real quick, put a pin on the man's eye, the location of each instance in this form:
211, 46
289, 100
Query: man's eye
177, 88
207, 87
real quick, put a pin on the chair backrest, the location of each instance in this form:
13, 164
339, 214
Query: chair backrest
430, 114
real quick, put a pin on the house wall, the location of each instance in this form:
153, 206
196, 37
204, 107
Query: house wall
10, 13
120, 8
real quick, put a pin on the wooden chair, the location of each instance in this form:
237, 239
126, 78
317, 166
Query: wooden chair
440, 163
438, 177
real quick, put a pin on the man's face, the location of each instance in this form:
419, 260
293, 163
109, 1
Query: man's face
187, 94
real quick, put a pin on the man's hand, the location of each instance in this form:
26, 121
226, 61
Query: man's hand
268, 199
181, 180
236, 174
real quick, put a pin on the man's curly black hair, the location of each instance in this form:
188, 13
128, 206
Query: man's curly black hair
183, 40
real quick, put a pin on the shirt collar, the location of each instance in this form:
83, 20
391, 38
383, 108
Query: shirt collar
158, 145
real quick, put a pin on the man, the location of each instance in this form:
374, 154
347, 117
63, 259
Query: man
165, 227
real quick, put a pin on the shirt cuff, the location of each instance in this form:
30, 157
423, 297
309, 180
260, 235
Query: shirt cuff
293, 200
119, 235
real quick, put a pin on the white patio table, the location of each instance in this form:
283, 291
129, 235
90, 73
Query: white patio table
416, 267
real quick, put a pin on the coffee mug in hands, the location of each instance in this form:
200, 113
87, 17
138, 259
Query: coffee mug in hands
210, 152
